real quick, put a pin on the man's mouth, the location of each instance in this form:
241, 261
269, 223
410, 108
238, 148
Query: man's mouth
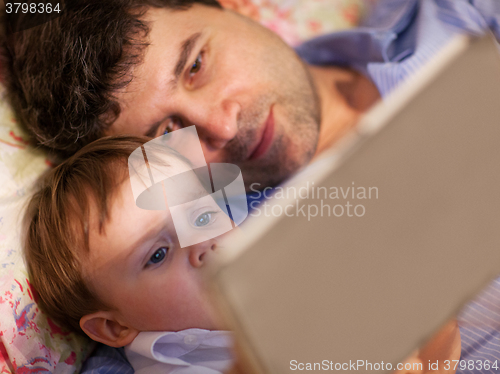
266, 138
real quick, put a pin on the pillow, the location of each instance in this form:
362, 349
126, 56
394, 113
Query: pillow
29, 340
298, 20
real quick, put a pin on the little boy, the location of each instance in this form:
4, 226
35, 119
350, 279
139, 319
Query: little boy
116, 272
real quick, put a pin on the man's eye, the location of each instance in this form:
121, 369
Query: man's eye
204, 219
196, 65
158, 256
173, 124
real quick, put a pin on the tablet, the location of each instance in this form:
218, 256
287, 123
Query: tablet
364, 254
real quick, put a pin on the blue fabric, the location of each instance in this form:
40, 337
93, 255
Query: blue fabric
397, 39
401, 36
479, 325
107, 360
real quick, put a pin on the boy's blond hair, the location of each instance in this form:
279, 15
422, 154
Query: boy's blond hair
57, 226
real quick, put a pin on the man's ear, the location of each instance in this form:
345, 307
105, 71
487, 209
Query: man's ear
244, 7
103, 327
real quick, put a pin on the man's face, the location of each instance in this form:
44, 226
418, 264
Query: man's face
248, 94
137, 267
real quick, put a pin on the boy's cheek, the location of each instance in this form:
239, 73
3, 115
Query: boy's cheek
170, 305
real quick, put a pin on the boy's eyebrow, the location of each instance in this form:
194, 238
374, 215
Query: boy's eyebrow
186, 196
133, 249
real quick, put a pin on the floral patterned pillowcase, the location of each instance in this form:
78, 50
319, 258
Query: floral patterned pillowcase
299, 20
29, 341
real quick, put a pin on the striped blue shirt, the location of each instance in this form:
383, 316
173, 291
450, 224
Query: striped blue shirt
479, 325
400, 36
397, 39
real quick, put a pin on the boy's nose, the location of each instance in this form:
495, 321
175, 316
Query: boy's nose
198, 253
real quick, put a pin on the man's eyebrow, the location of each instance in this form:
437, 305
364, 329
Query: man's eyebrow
186, 49
153, 129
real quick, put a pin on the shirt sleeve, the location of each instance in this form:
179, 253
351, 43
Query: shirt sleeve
490, 10
473, 16
107, 360
479, 324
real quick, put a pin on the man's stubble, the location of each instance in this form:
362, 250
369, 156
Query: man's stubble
297, 122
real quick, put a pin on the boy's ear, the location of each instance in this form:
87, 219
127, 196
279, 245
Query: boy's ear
244, 7
103, 327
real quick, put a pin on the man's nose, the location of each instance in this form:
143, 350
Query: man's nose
198, 253
218, 128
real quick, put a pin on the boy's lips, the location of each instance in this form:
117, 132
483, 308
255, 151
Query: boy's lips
266, 138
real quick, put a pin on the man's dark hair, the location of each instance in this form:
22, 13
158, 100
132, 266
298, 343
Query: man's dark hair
61, 76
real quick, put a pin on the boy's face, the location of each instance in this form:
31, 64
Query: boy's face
249, 95
136, 265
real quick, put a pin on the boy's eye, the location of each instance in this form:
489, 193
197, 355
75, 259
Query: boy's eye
158, 256
203, 219
196, 65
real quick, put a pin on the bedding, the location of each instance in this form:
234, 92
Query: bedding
29, 341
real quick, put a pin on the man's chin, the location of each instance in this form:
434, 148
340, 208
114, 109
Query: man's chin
269, 176
277, 165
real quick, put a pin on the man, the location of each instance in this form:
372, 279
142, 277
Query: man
253, 101
146, 67
150, 66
